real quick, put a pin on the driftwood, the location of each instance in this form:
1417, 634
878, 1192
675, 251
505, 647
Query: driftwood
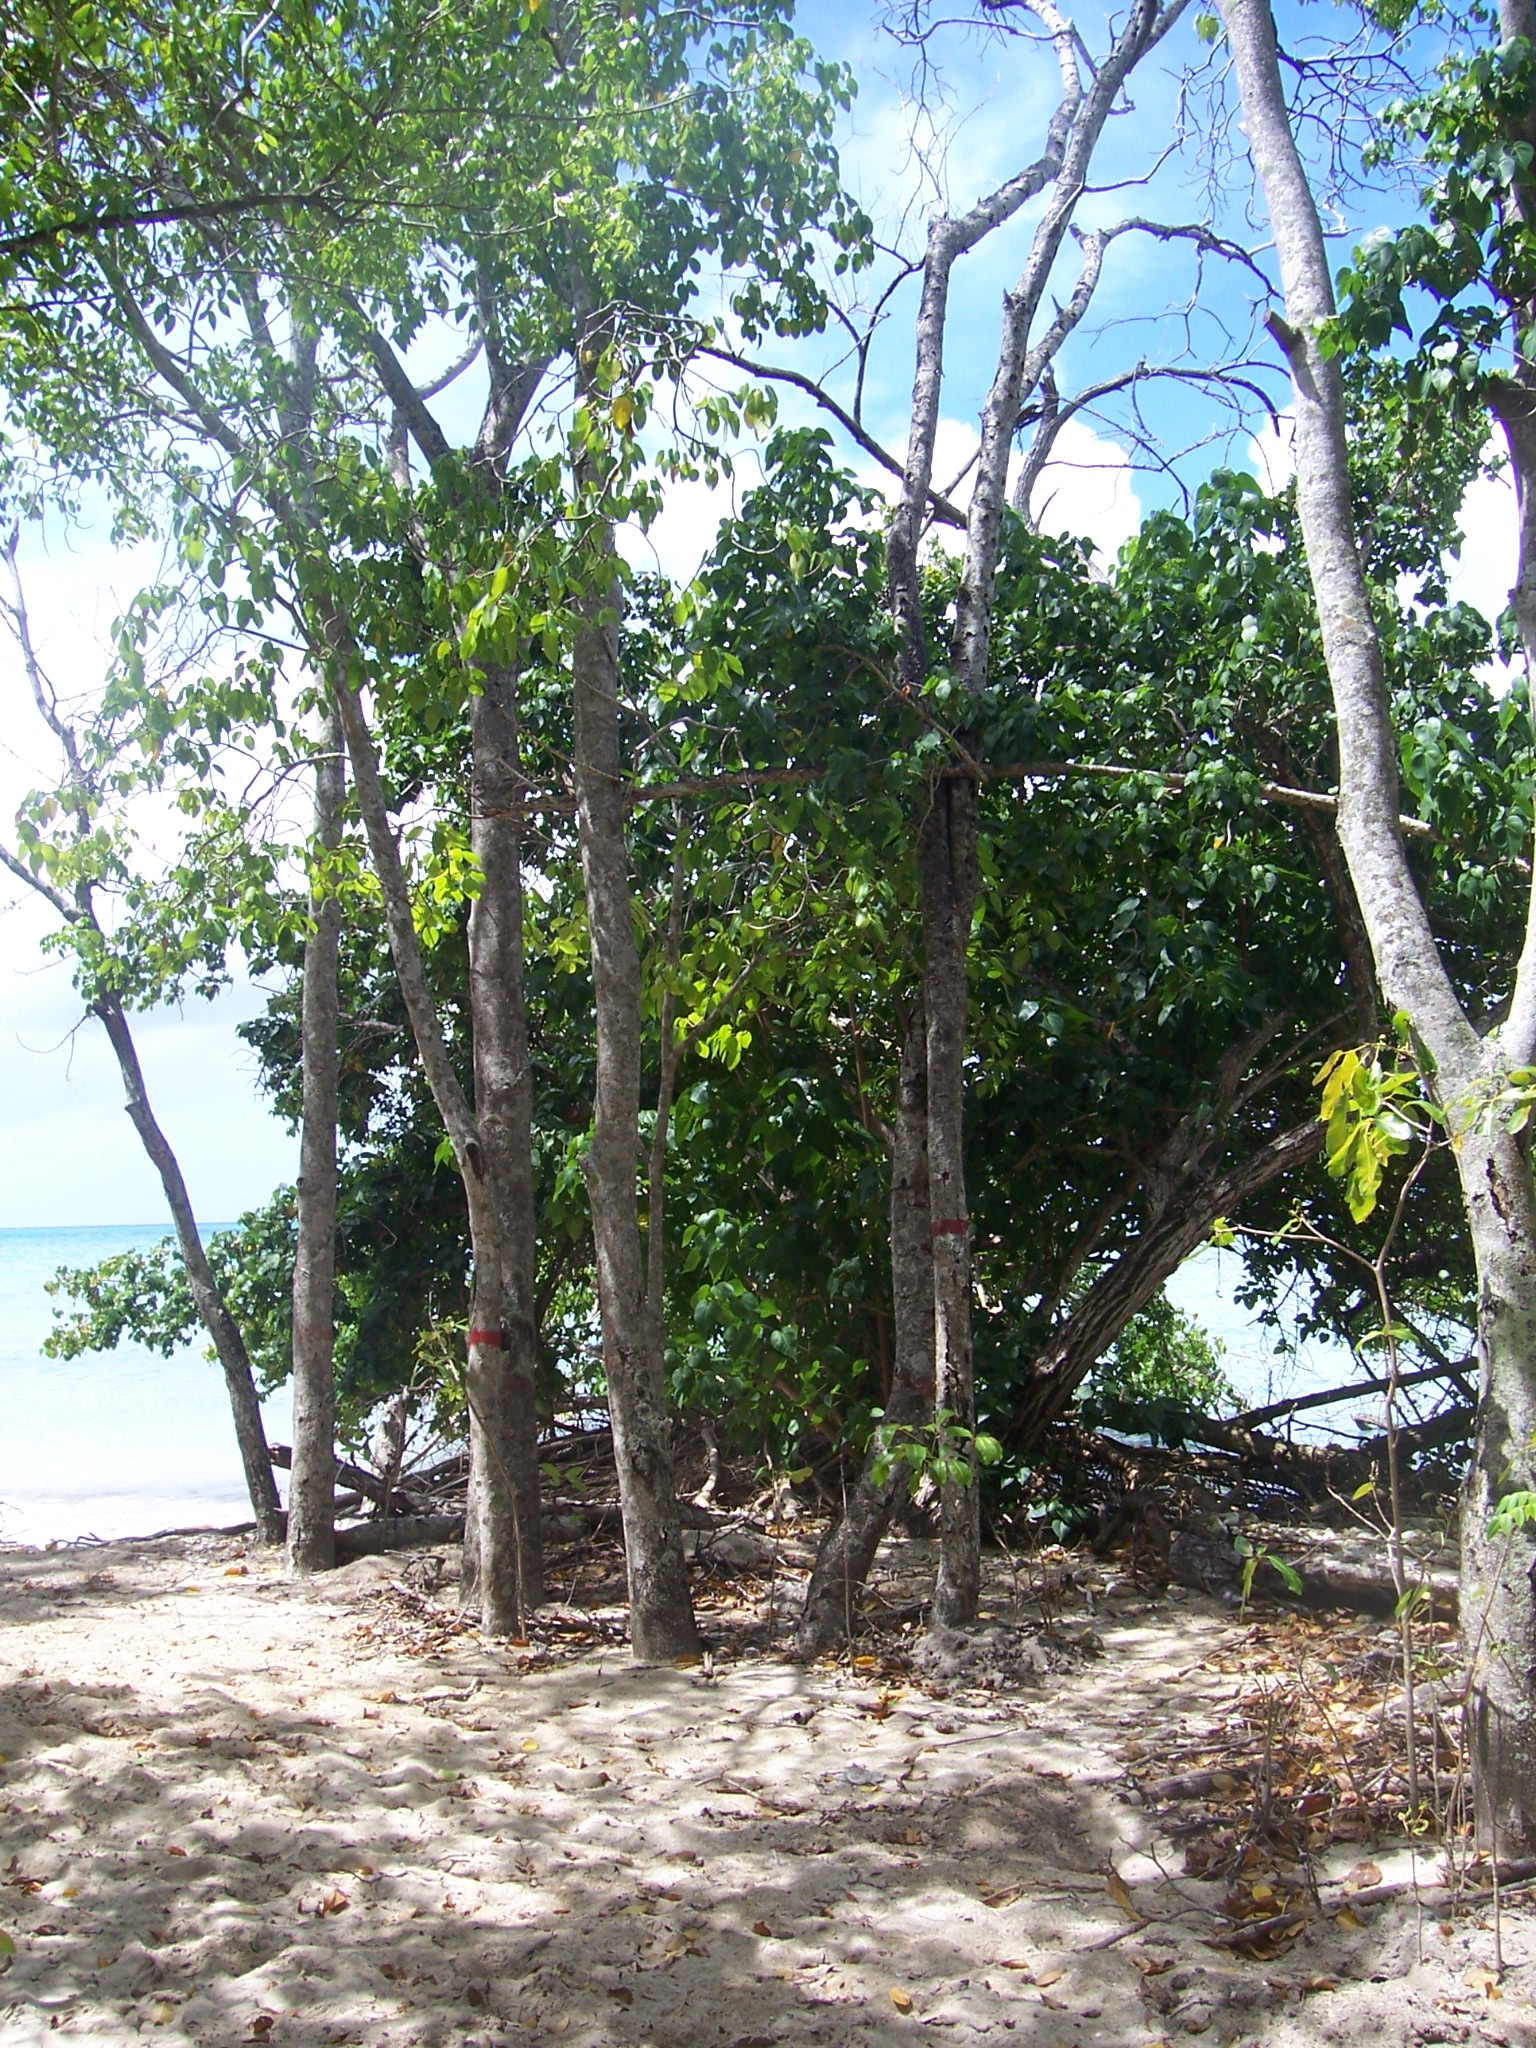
366, 1484
1281, 1411
396, 1532
1204, 1559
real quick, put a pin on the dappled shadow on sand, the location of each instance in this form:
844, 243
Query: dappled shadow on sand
228, 1817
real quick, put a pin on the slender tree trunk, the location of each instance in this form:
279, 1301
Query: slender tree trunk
312, 1484
1498, 1574
848, 1549
491, 1559
217, 1320
1498, 1577
946, 836
669, 1054
661, 1620
946, 860
508, 1466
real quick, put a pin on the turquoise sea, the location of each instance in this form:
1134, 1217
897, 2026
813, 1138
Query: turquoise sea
116, 1444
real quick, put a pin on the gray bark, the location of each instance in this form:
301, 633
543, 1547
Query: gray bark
503, 1527
1498, 1577
946, 838
848, 1548
217, 1320
946, 860
495, 1552
661, 1613
506, 1466
311, 1488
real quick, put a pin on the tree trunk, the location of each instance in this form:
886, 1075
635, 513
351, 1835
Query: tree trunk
946, 858
848, 1548
1498, 1574
661, 1622
506, 1468
1122, 1290
492, 1558
217, 1320
312, 1488
1499, 1577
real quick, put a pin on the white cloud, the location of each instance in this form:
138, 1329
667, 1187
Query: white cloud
1087, 490
1483, 572
1272, 453
683, 532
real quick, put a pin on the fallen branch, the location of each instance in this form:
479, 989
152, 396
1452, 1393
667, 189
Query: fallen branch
397, 1532
368, 1484
1280, 1411
1259, 1930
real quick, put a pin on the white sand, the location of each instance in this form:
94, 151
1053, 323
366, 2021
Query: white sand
214, 1828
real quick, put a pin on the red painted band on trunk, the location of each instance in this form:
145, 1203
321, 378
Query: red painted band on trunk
491, 1339
950, 1226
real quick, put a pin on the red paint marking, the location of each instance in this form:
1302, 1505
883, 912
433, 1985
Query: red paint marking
491, 1339
951, 1226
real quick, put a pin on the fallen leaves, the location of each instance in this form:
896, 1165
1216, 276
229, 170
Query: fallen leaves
1120, 1896
901, 1998
332, 1902
1485, 1981
998, 1896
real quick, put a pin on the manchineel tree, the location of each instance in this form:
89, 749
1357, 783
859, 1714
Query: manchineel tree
1162, 961
1123, 832
672, 142
1476, 259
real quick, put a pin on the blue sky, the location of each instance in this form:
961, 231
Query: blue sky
67, 1152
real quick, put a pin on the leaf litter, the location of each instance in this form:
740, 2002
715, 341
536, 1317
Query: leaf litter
1178, 1822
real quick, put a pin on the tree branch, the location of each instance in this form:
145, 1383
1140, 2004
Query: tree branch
943, 510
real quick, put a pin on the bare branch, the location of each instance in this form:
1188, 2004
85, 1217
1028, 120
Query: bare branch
941, 508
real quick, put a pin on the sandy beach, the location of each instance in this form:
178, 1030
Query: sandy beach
237, 1808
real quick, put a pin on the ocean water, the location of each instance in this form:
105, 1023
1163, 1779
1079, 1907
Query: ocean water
1261, 1368
118, 1443
122, 1443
